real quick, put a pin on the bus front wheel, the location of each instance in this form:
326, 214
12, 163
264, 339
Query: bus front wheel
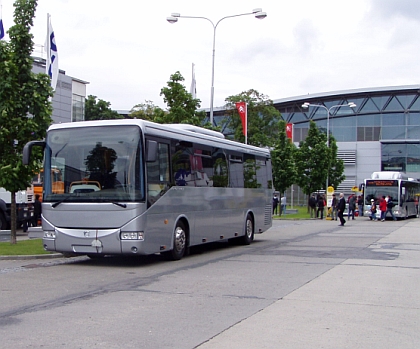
249, 230
180, 243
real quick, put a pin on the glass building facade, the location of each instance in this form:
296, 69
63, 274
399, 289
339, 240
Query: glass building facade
382, 133
390, 116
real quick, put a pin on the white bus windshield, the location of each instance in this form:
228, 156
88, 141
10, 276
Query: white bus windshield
97, 164
376, 189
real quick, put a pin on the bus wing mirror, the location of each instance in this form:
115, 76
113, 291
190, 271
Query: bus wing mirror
27, 150
151, 149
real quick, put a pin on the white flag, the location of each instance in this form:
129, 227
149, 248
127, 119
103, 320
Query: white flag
52, 56
193, 88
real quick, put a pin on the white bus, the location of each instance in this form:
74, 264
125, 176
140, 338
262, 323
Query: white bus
403, 190
136, 187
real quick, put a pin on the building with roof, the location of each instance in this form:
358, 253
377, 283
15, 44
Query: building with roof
382, 133
69, 96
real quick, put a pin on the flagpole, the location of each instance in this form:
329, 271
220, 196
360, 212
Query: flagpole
246, 123
47, 63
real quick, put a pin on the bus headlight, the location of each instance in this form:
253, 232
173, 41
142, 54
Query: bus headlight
132, 235
49, 234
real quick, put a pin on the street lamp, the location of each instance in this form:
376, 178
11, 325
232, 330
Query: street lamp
174, 18
307, 105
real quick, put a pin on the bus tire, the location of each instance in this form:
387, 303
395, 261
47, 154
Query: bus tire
180, 243
249, 230
3, 222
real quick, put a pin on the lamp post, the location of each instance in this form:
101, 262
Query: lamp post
307, 105
174, 18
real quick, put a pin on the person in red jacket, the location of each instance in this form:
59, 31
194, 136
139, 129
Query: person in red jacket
382, 207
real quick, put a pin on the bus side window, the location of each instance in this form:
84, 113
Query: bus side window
158, 174
220, 169
181, 165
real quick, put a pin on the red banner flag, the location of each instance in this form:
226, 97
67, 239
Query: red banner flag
242, 110
289, 131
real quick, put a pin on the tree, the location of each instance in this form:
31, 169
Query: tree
146, 111
283, 160
99, 110
262, 118
25, 108
182, 107
312, 159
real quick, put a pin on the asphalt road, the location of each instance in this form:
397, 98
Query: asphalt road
302, 284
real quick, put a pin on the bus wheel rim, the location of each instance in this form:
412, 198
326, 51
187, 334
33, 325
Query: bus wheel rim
180, 239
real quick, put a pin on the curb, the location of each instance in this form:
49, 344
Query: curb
36, 256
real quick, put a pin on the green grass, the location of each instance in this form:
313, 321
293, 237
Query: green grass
301, 214
24, 247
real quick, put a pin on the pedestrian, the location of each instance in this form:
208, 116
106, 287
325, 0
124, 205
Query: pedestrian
37, 211
283, 204
341, 206
352, 207
360, 205
312, 205
389, 205
321, 204
275, 203
372, 215
334, 204
382, 208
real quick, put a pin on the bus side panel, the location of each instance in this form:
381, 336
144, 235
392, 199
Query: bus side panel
212, 213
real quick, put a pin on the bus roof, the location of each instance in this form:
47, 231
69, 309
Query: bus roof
389, 175
186, 132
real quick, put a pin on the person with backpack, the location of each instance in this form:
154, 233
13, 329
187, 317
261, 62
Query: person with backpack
390, 204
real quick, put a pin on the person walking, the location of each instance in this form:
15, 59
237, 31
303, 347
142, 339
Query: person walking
360, 205
389, 206
283, 205
37, 211
334, 204
382, 208
352, 207
341, 206
275, 203
321, 204
312, 205
372, 215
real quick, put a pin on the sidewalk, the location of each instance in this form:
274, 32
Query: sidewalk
357, 304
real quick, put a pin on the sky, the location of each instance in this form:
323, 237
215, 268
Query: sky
127, 51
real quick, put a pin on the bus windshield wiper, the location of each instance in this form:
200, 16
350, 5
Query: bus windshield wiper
121, 205
55, 204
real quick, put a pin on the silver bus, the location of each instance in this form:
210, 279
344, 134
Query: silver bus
403, 190
137, 187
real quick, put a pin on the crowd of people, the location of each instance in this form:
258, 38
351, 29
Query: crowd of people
378, 212
354, 204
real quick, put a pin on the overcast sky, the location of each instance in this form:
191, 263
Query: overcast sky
127, 50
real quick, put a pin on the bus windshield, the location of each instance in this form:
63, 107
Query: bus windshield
96, 164
374, 190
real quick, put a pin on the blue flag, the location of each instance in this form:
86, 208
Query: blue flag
1, 29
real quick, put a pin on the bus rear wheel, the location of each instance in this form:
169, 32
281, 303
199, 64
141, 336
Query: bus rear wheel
249, 230
180, 243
